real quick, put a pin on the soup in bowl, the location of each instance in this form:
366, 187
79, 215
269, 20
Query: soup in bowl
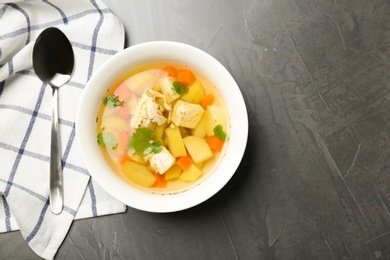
162, 126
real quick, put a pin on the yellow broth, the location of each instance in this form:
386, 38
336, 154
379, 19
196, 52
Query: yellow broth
116, 154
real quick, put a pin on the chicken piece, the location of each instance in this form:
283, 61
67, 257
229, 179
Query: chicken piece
148, 112
156, 95
186, 114
162, 161
166, 88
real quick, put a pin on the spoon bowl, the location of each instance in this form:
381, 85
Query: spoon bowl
53, 62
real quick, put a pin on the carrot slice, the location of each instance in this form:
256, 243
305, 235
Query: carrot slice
122, 92
160, 181
168, 71
207, 101
124, 112
184, 162
215, 143
123, 139
185, 77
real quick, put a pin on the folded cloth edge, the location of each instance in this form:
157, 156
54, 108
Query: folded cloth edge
43, 251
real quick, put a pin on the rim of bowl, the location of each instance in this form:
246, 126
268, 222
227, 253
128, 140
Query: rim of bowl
143, 53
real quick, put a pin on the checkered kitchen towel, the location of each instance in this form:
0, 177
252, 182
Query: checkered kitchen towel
25, 118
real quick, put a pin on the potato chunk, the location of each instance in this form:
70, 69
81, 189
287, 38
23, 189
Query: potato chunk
136, 157
192, 174
175, 142
139, 174
159, 131
173, 173
198, 149
116, 123
201, 129
142, 81
195, 93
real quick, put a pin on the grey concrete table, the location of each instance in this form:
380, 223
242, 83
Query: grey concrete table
315, 179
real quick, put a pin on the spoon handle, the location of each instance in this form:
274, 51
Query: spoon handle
56, 188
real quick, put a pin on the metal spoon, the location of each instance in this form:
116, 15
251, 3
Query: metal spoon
53, 62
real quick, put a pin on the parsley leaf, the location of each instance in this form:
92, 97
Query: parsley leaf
141, 142
113, 101
218, 132
107, 140
179, 88
156, 146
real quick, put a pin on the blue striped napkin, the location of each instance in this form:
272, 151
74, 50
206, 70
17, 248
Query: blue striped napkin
25, 113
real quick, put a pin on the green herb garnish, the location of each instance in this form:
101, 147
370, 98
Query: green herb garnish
113, 101
179, 88
218, 132
141, 142
107, 140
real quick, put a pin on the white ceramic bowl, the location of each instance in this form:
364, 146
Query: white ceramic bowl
117, 66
